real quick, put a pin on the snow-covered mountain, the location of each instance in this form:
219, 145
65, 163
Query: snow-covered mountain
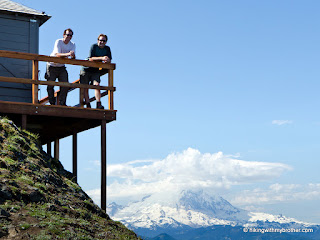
113, 208
193, 215
193, 209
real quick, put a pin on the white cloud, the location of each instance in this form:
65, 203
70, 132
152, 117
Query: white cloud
281, 122
96, 163
189, 169
277, 193
95, 195
93, 165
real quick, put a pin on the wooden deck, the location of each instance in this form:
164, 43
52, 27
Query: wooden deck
54, 122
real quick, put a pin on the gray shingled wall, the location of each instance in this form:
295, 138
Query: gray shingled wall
19, 32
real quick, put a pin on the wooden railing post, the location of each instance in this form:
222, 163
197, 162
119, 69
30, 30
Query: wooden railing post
35, 70
110, 93
81, 95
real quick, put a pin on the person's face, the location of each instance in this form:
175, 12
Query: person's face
67, 37
102, 41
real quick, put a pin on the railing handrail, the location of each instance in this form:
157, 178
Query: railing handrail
44, 58
35, 68
51, 83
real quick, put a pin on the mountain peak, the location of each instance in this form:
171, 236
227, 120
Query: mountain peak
188, 207
203, 202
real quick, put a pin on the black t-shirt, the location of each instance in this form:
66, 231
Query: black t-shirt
96, 51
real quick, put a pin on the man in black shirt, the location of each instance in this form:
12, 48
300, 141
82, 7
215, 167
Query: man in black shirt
90, 75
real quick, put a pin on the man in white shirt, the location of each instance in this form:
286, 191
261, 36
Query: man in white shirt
62, 48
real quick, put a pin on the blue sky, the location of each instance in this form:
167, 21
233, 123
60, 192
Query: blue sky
203, 77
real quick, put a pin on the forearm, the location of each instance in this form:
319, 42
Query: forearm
104, 59
96, 58
63, 55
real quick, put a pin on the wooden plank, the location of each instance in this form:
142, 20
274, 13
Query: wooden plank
44, 58
50, 128
56, 110
110, 78
51, 83
35, 70
103, 165
81, 98
110, 93
111, 107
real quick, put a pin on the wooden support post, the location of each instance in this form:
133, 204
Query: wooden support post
49, 148
35, 70
110, 93
24, 122
103, 165
57, 98
74, 157
81, 96
56, 149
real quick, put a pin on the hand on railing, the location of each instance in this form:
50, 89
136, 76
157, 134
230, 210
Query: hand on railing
104, 59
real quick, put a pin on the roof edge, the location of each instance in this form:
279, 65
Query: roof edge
42, 17
10, 7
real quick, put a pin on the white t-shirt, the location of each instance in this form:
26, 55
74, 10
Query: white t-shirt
61, 47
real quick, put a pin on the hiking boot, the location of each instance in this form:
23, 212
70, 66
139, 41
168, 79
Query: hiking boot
99, 106
62, 103
52, 101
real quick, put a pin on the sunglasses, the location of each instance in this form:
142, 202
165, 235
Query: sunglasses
102, 40
69, 35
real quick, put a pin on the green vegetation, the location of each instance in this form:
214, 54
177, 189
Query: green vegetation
39, 200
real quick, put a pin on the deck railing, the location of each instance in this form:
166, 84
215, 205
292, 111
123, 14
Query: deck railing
35, 58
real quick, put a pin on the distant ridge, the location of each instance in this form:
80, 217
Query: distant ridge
162, 236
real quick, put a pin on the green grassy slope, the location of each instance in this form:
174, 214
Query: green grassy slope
39, 200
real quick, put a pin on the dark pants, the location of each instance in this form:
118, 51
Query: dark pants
51, 75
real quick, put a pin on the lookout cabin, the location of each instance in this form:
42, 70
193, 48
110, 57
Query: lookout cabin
19, 86
19, 32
